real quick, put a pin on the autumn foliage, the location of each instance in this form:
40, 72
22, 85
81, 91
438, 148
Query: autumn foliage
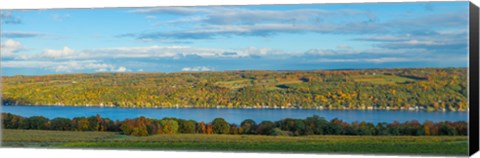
314, 125
432, 89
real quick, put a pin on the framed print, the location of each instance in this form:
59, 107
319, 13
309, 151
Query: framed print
356, 78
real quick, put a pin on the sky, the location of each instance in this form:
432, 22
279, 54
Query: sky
220, 38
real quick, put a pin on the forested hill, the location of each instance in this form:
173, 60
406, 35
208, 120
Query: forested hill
408, 89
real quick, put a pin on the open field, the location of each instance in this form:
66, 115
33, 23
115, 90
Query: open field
267, 83
433, 145
382, 79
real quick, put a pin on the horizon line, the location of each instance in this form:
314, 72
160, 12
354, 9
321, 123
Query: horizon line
214, 71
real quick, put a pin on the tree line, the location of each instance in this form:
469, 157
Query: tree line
432, 89
314, 125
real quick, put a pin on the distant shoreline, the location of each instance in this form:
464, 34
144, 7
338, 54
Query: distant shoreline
249, 70
243, 108
419, 89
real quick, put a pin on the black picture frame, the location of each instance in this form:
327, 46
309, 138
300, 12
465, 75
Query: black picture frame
474, 79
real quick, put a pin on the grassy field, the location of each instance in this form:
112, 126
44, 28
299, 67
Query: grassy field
382, 79
269, 83
438, 145
272, 84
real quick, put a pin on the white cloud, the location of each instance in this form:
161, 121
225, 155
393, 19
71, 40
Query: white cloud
65, 52
12, 44
177, 52
224, 15
383, 38
10, 47
341, 50
213, 22
181, 20
173, 52
321, 52
74, 66
65, 66
204, 23
99, 67
197, 69
443, 40
391, 59
121, 69
373, 60
170, 10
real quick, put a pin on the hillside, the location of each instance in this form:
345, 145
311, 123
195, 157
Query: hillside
408, 89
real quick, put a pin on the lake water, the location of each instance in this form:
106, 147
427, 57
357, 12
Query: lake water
234, 115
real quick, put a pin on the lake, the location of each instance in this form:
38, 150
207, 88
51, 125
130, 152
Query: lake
234, 115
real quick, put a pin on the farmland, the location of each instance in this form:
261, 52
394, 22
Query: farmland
430, 145
270, 84
432, 89
382, 79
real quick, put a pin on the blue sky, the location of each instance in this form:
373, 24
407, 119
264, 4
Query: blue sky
217, 38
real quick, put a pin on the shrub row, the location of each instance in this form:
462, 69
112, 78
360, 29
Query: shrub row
313, 125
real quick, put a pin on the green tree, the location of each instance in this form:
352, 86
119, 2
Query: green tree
80, 124
248, 126
280, 132
265, 127
62, 124
11, 121
169, 126
38, 122
315, 125
186, 126
220, 126
137, 127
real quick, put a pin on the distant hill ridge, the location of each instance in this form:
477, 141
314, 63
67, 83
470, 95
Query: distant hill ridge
432, 89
